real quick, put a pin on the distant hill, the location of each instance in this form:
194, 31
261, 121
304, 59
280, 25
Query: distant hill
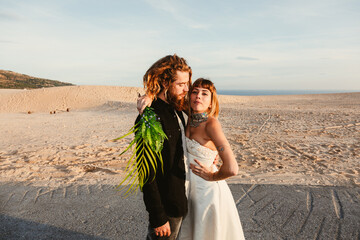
9, 79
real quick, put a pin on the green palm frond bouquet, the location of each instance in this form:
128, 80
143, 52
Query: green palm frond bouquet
148, 141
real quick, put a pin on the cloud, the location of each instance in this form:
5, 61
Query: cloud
8, 16
247, 58
178, 12
7, 41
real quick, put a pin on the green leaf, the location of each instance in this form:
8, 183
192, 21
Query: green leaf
149, 138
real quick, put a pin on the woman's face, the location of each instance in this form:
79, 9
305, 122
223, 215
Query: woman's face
200, 100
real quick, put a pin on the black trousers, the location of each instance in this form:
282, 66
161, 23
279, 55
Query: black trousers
175, 224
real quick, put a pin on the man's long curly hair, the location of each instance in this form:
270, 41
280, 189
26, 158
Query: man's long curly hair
163, 73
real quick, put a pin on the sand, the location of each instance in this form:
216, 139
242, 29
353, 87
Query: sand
285, 140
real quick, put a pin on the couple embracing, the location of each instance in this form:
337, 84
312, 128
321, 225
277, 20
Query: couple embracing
189, 199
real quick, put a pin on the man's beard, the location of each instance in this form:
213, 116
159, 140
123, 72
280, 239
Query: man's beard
179, 102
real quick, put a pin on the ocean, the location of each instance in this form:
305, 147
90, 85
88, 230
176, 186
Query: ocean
277, 92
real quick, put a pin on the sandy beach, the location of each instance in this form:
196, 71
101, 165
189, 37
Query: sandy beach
298, 162
295, 139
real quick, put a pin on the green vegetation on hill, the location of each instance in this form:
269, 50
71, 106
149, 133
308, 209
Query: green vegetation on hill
9, 79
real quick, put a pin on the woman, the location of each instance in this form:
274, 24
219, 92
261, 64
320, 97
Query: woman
212, 210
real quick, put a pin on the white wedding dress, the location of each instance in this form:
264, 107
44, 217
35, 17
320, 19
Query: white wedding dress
212, 211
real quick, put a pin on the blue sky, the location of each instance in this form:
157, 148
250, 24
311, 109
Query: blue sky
271, 45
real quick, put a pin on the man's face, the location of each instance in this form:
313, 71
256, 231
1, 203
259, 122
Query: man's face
180, 87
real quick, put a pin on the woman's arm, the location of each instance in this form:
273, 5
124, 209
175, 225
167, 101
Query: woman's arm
229, 167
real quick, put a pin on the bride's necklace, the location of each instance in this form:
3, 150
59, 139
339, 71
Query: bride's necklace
197, 118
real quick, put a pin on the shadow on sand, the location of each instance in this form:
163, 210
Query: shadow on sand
17, 228
99, 212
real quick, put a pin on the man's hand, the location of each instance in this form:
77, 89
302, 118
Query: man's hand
217, 162
143, 102
163, 230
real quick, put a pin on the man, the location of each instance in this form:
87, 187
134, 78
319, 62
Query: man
167, 82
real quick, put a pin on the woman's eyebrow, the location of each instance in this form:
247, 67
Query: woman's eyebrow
204, 90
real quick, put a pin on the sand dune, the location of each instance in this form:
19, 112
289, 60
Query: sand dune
82, 97
61, 98
297, 139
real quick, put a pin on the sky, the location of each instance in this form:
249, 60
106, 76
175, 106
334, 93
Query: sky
257, 45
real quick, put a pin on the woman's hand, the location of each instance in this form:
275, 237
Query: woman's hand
202, 171
143, 102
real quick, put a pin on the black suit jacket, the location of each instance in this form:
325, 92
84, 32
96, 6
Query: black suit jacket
165, 196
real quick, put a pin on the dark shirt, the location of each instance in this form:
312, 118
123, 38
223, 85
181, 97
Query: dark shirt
165, 196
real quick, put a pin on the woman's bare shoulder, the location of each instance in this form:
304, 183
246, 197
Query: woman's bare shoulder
211, 122
212, 125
